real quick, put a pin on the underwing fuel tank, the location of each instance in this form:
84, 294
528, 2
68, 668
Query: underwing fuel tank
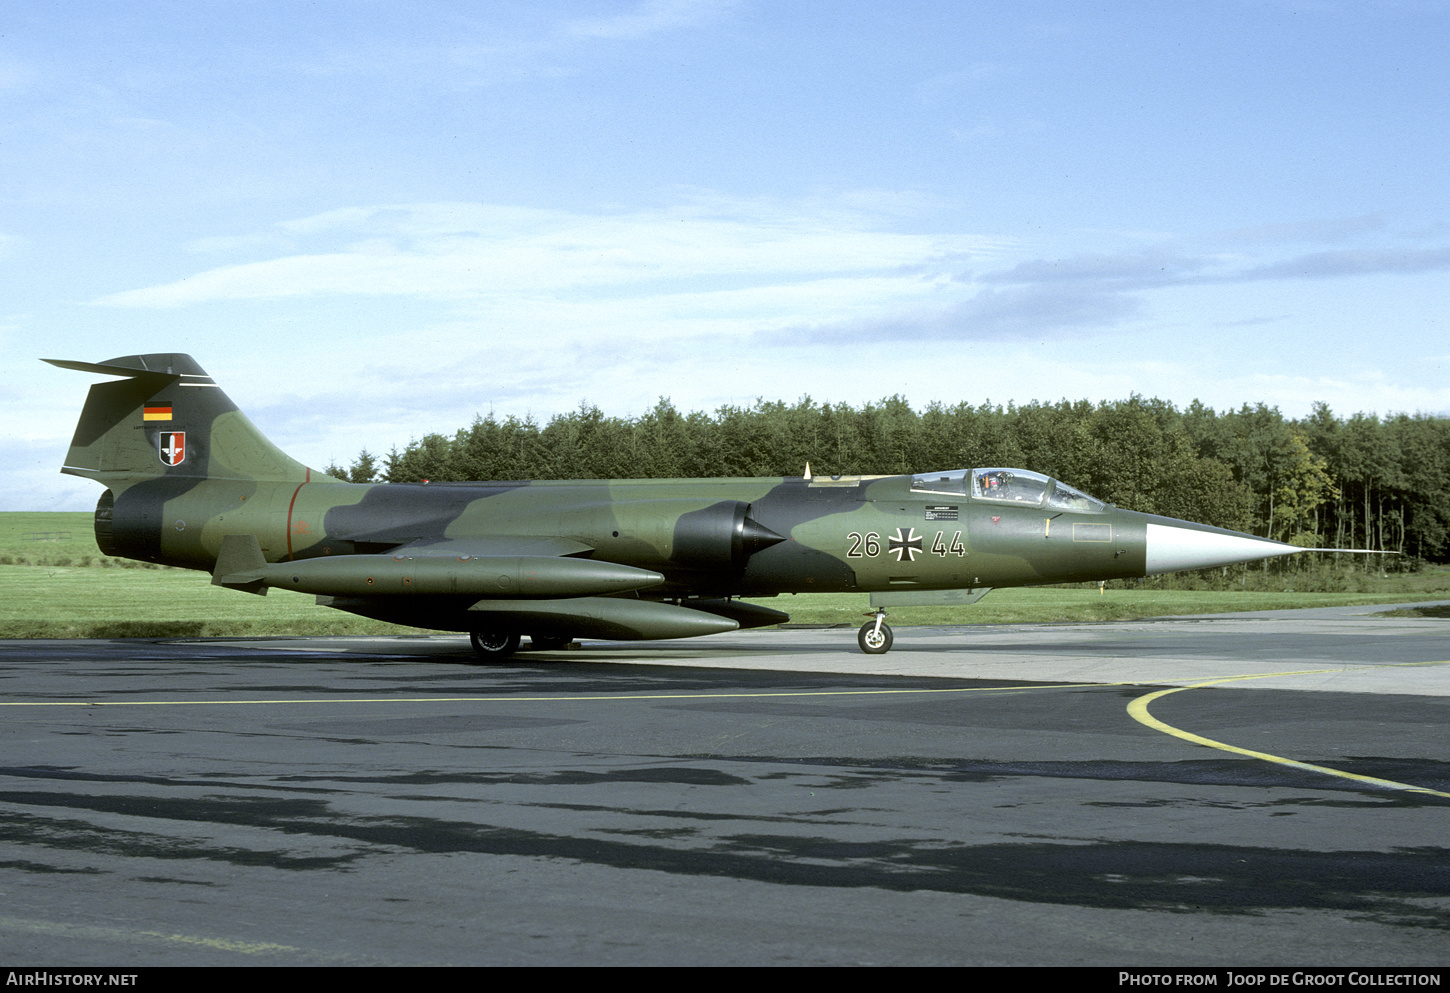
604, 617
619, 618
424, 575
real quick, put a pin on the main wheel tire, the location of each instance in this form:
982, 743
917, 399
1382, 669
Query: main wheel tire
493, 646
873, 642
546, 643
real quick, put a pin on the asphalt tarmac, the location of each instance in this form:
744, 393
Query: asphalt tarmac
1013, 795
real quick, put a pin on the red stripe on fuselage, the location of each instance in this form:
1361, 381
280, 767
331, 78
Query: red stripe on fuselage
298, 490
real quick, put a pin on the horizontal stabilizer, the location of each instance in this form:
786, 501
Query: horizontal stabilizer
156, 364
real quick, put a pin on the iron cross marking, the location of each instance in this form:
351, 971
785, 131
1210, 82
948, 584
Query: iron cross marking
909, 545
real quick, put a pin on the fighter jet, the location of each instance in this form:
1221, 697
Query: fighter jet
191, 482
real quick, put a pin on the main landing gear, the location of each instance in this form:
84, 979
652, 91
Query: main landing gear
875, 636
495, 646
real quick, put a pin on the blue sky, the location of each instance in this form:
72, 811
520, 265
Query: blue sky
371, 221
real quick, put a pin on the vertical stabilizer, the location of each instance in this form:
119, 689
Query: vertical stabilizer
165, 417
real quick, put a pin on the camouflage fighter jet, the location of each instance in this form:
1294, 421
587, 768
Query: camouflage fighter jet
191, 482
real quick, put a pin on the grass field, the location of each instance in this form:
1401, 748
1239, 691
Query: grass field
43, 536
55, 584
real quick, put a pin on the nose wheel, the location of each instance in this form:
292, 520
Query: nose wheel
875, 636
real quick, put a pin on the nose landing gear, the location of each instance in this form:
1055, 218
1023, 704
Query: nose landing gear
875, 636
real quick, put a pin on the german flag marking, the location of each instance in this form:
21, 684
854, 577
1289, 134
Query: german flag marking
160, 412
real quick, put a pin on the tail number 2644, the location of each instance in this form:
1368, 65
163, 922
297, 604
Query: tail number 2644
868, 545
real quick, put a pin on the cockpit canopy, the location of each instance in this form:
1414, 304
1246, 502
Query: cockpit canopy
1013, 486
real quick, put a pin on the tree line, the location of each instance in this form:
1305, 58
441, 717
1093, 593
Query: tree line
1321, 481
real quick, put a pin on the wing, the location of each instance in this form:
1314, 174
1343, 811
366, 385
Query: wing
505, 545
539, 586
473, 568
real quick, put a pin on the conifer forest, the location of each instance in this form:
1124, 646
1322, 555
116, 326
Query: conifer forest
1363, 481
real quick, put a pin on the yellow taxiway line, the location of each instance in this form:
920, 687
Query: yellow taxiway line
1138, 710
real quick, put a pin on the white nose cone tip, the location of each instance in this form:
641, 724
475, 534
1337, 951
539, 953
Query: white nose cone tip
1173, 549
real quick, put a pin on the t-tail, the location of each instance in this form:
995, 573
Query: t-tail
171, 447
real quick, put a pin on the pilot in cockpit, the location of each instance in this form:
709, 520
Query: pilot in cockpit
997, 484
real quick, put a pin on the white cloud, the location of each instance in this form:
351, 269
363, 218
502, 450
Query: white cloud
700, 258
1354, 262
450, 309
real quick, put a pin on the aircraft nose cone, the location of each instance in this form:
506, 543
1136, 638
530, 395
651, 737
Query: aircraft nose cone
1171, 549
